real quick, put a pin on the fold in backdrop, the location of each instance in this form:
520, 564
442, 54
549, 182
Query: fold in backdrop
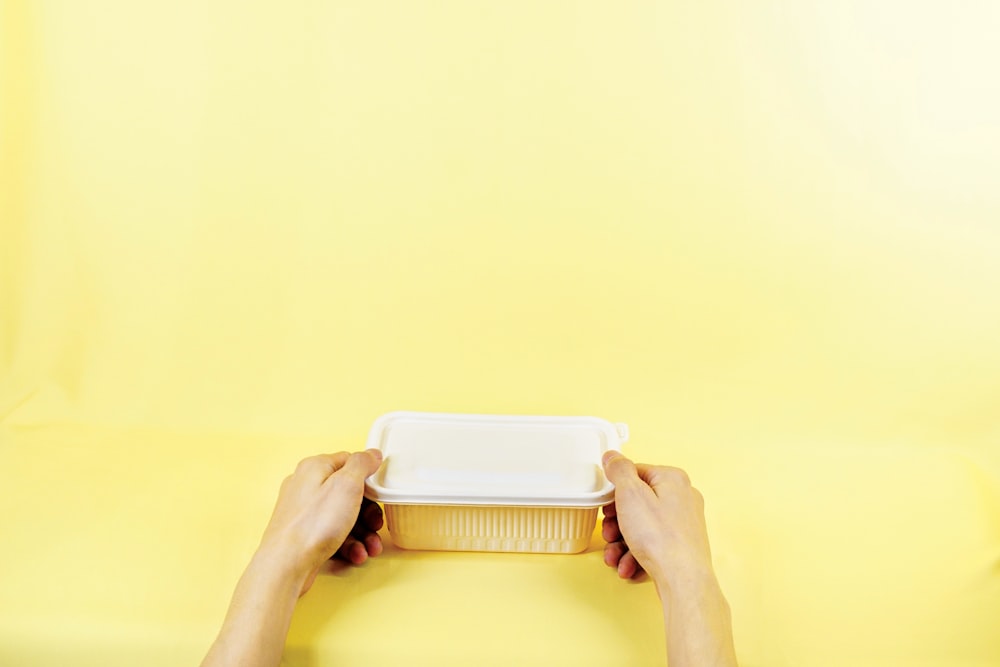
766, 235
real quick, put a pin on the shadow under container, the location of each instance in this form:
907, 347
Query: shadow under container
492, 482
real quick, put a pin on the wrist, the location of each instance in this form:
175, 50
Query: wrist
260, 612
278, 566
682, 583
697, 618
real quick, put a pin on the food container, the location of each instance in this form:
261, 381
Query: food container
491, 482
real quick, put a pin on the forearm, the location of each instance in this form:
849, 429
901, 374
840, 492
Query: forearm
259, 615
697, 623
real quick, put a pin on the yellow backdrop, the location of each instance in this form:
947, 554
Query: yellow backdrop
766, 235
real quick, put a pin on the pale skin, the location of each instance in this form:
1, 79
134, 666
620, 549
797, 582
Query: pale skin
319, 515
656, 525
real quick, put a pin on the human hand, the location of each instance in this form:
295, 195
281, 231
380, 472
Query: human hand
321, 514
656, 523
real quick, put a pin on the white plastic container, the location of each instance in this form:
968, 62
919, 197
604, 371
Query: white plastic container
492, 482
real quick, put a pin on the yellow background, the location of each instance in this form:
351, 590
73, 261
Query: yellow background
766, 235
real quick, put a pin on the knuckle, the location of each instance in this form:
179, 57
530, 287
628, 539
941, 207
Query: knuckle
620, 469
354, 467
307, 462
677, 476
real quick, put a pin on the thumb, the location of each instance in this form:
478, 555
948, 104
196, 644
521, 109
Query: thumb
618, 468
362, 464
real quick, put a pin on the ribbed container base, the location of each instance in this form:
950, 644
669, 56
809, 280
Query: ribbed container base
563, 530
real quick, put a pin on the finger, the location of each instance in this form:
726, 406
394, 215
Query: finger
353, 551
618, 468
610, 509
610, 530
373, 544
628, 566
371, 515
361, 531
613, 552
321, 466
360, 465
369, 519
663, 477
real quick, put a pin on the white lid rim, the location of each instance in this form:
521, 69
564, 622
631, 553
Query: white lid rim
492, 501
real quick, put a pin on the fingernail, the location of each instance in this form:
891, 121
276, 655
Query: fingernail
377, 453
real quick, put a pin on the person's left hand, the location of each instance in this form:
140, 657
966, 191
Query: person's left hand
321, 514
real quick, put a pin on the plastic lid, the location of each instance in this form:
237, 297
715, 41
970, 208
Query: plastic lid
451, 459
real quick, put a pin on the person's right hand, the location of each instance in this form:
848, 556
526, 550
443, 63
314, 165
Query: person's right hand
656, 522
